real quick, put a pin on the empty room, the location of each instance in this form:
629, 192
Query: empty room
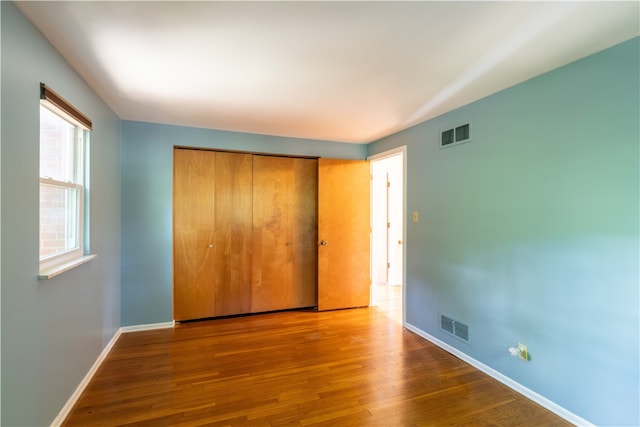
320, 213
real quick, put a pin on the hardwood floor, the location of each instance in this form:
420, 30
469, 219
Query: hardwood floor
388, 300
341, 368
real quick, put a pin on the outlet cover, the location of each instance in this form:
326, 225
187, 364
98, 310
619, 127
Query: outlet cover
523, 352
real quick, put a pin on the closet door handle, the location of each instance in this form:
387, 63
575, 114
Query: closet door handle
323, 243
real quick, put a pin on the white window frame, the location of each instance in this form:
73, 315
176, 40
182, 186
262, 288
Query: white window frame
59, 262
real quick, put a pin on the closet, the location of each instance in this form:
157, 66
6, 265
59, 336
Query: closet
246, 234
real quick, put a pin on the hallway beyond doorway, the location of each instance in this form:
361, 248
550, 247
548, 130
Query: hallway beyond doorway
387, 299
388, 207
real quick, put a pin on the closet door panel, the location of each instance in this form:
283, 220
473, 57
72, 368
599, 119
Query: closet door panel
232, 231
271, 237
193, 211
284, 233
304, 233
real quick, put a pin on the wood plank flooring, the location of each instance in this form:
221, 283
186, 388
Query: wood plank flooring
388, 300
340, 368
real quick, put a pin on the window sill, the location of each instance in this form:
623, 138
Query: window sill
59, 269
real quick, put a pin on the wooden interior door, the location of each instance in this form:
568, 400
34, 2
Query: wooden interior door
193, 229
343, 233
284, 233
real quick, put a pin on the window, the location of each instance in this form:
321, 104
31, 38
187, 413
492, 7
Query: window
64, 135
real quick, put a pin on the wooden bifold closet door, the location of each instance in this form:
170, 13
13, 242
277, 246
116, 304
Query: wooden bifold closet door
256, 233
212, 233
284, 233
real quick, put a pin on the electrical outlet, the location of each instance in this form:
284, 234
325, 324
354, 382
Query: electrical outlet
523, 352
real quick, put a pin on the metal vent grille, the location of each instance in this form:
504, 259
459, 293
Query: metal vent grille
461, 331
454, 327
455, 135
446, 324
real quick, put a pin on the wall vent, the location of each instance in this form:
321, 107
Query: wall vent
454, 327
455, 135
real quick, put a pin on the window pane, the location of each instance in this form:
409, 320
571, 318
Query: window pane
56, 147
58, 219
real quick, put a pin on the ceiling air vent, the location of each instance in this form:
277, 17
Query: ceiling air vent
455, 135
454, 327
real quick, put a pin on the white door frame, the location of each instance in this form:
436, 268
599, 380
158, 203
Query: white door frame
380, 156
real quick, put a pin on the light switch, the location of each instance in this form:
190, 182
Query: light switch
415, 216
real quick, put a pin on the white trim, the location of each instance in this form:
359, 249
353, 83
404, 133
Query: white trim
389, 153
147, 327
64, 412
530, 394
55, 270
62, 415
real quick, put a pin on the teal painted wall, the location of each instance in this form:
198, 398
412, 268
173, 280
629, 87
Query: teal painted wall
147, 180
52, 330
530, 232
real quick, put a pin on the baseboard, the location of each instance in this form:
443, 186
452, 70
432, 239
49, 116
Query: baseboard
62, 415
530, 394
64, 412
147, 327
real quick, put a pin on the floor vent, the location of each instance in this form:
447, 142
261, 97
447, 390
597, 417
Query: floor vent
454, 327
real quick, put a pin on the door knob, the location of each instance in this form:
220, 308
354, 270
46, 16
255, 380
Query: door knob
289, 244
323, 243
210, 245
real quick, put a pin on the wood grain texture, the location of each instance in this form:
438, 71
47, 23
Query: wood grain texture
284, 232
271, 219
193, 232
304, 232
233, 233
336, 368
344, 223
212, 233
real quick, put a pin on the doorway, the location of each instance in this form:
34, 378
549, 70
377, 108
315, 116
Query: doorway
387, 232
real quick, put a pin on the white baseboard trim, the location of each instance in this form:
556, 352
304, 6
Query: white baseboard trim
62, 415
147, 327
64, 412
530, 394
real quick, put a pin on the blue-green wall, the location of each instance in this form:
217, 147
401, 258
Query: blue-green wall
530, 232
52, 330
147, 186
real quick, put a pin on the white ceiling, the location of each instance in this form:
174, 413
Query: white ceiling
341, 71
